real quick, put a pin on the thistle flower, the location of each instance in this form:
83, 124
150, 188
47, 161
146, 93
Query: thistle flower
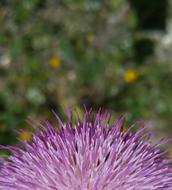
91, 155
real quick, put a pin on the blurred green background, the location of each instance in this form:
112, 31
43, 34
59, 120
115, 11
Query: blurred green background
56, 54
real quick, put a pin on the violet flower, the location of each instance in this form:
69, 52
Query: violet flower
93, 155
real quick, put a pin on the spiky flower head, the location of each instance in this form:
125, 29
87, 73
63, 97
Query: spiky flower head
91, 155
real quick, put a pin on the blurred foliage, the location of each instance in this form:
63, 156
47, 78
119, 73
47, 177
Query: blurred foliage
66, 53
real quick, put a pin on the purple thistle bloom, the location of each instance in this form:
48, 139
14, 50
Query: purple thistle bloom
93, 155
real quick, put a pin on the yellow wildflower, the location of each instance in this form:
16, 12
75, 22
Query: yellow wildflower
90, 37
170, 154
125, 129
55, 62
25, 136
131, 76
